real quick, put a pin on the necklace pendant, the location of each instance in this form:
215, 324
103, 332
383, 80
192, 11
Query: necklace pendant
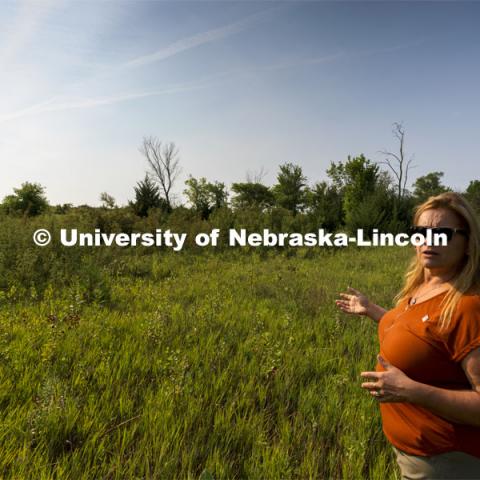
414, 301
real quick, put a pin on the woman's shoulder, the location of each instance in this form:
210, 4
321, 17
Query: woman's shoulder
470, 300
464, 331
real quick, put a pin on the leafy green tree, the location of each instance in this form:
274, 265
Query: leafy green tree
62, 209
28, 200
429, 185
252, 194
472, 194
204, 196
218, 195
325, 206
290, 190
338, 177
374, 212
402, 213
369, 197
356, 179
107, 200
147, 195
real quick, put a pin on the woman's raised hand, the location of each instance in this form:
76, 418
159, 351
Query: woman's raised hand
353, 302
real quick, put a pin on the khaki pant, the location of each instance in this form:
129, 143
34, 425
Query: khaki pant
453, 465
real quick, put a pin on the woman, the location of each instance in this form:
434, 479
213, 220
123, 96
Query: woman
427, 379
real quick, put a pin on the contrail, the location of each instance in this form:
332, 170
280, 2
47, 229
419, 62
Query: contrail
197, 40
52, 105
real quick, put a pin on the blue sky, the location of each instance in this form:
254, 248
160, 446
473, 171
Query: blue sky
236, 85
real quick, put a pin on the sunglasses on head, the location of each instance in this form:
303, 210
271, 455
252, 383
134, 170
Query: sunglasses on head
448, 231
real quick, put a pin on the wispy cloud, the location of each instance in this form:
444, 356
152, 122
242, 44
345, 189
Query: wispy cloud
29, 17
299, 62
194, 41
376, 51
59, 103
67, 102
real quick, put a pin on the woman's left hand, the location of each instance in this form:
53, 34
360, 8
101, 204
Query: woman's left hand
392, 385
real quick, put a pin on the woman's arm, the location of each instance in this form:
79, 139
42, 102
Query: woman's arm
357, 303
375, 312
458, 406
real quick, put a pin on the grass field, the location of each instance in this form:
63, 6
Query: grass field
212, 365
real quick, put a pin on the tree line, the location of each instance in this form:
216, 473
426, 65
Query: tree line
356, 194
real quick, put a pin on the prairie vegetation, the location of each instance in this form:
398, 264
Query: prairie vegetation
143, 363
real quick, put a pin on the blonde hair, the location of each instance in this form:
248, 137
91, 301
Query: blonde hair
469, 276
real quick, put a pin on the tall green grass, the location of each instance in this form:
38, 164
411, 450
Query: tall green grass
186, 365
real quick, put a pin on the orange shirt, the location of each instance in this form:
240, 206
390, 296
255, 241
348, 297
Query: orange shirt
410, 340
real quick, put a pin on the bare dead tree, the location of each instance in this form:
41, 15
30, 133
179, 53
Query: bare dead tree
397, 162
163, 163
256, 177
